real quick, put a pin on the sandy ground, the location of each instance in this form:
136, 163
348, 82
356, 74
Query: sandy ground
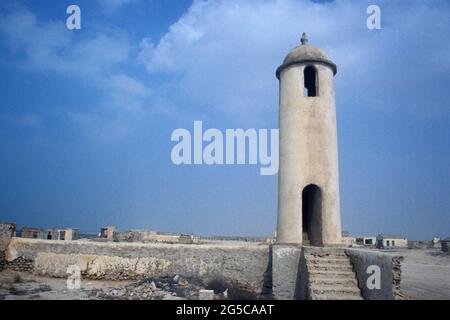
425, 274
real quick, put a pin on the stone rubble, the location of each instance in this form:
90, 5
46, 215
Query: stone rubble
166, 288
397, 276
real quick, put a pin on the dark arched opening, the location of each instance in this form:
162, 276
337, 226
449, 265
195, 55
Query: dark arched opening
312, 215
310, 79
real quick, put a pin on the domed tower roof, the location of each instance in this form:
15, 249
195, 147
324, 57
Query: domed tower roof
304, 54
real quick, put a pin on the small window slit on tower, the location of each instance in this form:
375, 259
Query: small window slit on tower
310, 79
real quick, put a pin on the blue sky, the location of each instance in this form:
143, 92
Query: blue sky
86, 116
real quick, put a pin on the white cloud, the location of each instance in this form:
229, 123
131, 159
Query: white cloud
223, 54
50, 47
227, 51
219, 59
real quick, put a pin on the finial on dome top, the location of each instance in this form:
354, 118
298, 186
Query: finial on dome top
304, 39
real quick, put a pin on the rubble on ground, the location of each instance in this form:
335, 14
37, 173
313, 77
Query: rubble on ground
166, 288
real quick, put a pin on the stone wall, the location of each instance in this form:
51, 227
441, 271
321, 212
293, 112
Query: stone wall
287, 278
7, 231
390, 267
3, 261
253, 269
445, 244
20, 264
397, 277
242, 267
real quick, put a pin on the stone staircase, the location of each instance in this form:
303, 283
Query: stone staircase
330, 275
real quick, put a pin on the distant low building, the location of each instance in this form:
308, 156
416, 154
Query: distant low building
52, 234
49, 234
109, 233
149, 236
68, 234
32, 233
366, 241
186, 239
391, 241
445, 244
171, 238
135, 235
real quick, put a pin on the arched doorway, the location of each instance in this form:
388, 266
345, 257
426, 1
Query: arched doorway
312, 215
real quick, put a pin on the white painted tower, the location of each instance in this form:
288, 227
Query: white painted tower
308, 192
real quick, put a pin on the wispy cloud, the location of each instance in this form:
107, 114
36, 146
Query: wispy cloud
219, 58
224, 53
99, 61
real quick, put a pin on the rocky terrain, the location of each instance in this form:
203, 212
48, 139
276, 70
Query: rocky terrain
175, 288
25, 286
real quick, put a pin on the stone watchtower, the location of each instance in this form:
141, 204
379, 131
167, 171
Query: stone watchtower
308, 196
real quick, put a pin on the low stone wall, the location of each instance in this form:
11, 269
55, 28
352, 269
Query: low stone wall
288, 276
390, 267
253, 269
243, 267
3, 261
7, 231
20, 264
445, 245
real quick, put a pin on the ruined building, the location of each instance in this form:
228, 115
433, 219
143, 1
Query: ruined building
67, 234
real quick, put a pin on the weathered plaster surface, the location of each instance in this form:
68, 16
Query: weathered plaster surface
308, 154
286, 273
389, 265
243, 266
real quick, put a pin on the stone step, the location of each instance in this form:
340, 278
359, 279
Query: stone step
324, 249
338, 253
318, 250
318, 281
328, 261
331, 289
331, 275
314, 274
326, 254
330, 267
336, 297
